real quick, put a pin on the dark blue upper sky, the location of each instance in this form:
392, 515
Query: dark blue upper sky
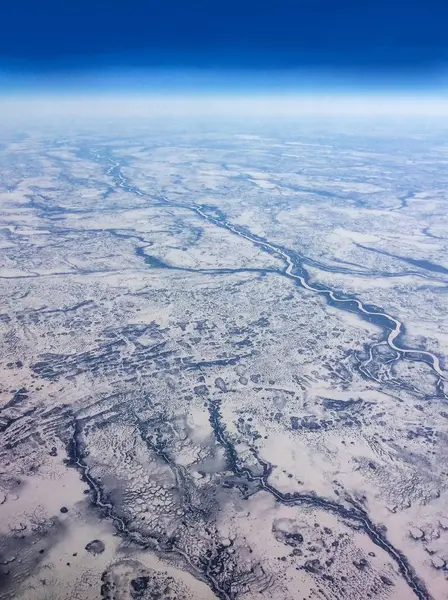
357, 37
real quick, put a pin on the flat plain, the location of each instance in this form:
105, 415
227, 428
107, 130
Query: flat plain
223, 361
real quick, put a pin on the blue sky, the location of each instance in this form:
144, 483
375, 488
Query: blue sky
275, 42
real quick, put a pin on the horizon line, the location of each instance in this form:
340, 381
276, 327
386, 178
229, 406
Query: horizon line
288, 104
